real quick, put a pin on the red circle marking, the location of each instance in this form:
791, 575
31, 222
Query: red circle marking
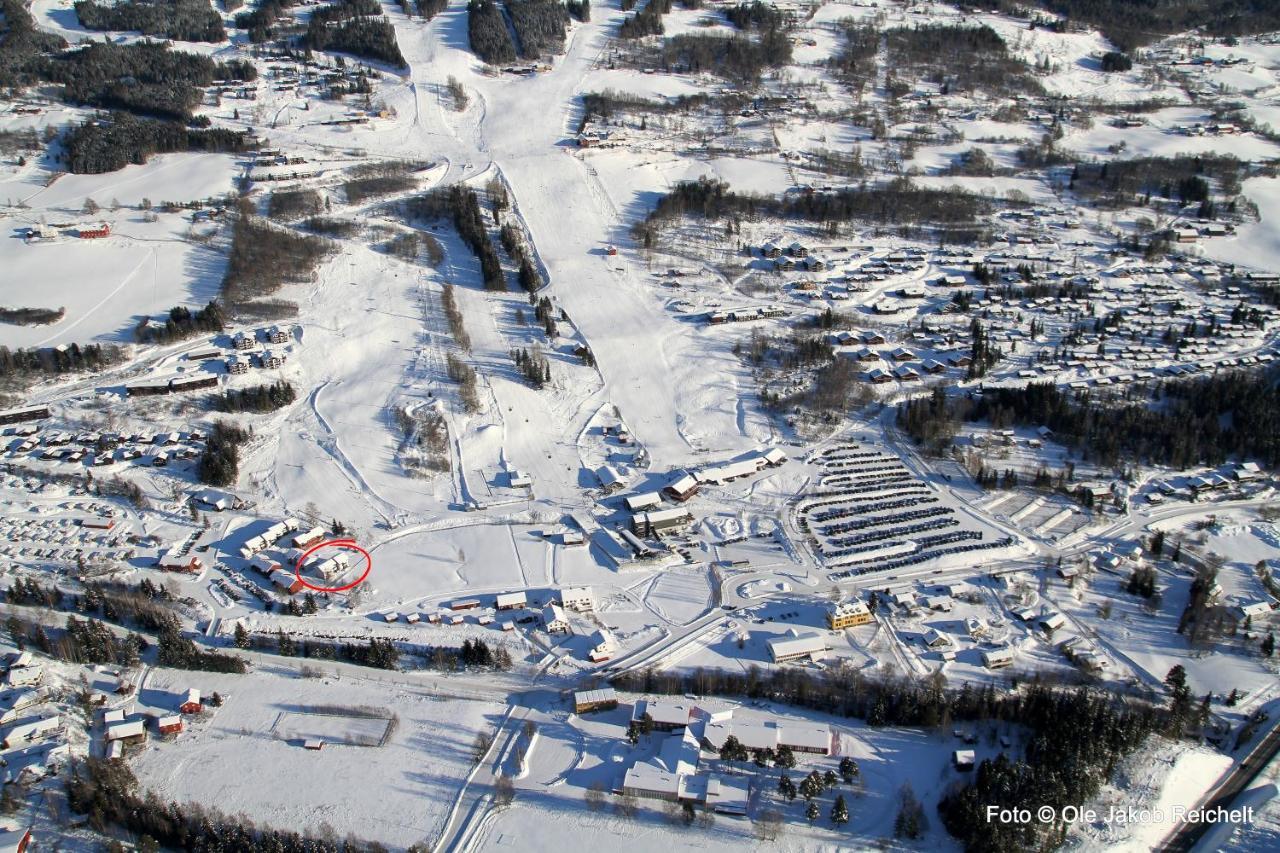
350, 545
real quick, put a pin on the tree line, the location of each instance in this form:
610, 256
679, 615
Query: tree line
219, 463
897, 202
182, 323
1129, 25
109, 794
487, 33
539, 26
738, 57
357, 27
24, 364
646, 22
106, 144
182, 20
258, 398
146, 77
21, 46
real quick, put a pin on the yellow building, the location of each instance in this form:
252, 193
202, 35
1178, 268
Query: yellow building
847, 615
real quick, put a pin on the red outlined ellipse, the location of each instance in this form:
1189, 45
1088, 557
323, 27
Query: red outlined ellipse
350, 545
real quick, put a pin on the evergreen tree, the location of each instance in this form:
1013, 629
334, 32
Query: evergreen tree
839, 811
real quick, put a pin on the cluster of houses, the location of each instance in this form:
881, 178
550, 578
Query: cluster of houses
175, 385
687, 730
510, 608
94, 449
66, 538
123, 728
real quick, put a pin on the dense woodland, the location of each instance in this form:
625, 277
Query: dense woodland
739, 58
646, 22
148, 78
258, 399
487, 31
183, 20
898, 202
219, 463
21, 45
182, 323
371, 180
1135, 23
1202, 421
539, 26
26, 364
260, 22
958, 58
112, 142
357, 27
1187, 179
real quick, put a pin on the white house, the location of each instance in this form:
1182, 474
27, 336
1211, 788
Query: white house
577, 598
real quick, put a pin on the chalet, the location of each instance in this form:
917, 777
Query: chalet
784, 264
98, 522
190, 702
610, 480
243, 341
464, 604
277, 335
932, 366
660, 521
132, 732
795, 647
237, 365
332, 567
642, 502
578, 598
412, 619
664, 714
1053, 622
169, 725
510, 601
771, 250
271, 359
287, 581
603, 699
798, 250
959, 360
935, 639
95, 232
172, 561
997, 658
906, 373
682, 489
216, 501
31, 732
725, 473
963, 759
554, 621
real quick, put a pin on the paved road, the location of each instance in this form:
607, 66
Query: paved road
1187, 835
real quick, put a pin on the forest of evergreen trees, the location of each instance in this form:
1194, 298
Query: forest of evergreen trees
1200, 421
1135, 23
646, 22
146, 77
183, 323
107, 144
357, 27
26, 364
257, 398
539, 26
260, 22
21, 45
183, 20
462, 205
219, 463
487, 32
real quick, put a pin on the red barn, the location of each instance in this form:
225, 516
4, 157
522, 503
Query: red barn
95, 232
191, 703
169, 725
